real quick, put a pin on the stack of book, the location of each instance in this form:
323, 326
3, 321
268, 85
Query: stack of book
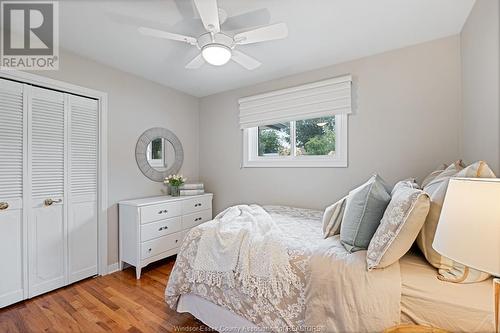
192, 189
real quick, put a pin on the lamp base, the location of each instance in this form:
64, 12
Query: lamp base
496, 283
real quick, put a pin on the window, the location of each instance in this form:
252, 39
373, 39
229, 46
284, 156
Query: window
302, 126
274, 140
155, 152
316, 142
315, 137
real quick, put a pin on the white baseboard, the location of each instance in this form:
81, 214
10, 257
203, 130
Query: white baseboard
113, 268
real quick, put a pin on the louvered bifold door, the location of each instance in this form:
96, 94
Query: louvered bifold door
12, 124
47, 231
82, 217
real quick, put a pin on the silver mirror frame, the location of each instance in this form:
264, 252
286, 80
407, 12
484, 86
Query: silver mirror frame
141, 149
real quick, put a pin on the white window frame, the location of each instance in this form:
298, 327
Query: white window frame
251, 158
160, 162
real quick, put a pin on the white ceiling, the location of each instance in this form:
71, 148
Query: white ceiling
321, 33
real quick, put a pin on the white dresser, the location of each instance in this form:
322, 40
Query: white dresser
154, 228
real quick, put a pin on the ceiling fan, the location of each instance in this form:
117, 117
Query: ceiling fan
216, 47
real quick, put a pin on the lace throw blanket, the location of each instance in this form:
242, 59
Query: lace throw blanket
243, 244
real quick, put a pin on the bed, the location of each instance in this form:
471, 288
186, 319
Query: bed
425, 300
421, 298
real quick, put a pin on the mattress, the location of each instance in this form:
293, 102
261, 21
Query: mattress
454, 307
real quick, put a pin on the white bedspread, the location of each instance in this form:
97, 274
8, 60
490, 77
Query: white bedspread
335, 290
243, 245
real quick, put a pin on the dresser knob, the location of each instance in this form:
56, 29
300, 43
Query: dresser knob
197, 205
149, 250
176, 240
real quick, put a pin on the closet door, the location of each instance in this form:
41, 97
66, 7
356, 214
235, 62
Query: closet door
82, 217
47, 234
11, 192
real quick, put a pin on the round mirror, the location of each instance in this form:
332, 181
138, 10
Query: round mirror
159, 153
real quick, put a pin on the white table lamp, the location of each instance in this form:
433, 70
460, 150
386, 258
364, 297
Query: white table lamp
468, 231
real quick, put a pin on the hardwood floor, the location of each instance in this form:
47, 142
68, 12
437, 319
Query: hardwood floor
112, 303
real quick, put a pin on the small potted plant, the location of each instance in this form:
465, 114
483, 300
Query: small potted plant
175, 181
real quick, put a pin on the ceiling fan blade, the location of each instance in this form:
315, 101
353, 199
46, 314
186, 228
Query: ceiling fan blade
245, 60
167, 35
247, 20
263, 34
209, 14
197, 62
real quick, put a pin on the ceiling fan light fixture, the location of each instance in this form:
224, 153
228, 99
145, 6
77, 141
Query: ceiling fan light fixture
216, 54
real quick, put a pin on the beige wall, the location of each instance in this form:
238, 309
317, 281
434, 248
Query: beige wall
135, 105
405, 122
480, 40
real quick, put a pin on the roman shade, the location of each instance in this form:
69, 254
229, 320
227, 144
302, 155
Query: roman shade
312, 100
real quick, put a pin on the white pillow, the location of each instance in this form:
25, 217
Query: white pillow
332, 218
409, 182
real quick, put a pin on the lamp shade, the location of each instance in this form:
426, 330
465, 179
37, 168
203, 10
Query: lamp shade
468, 231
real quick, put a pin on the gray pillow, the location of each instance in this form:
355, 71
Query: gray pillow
364, 209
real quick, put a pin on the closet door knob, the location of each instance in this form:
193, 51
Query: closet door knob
4, 205
49, 202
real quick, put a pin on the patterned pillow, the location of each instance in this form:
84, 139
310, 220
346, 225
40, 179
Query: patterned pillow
399, 227
364, 208
449, 270
332, 218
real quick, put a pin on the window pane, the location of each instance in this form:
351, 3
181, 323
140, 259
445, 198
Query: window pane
274, 140
157, 149
315, 136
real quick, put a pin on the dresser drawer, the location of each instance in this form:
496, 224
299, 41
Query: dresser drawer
160, 228
196, 204
160, 211
162, 244
192, 220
